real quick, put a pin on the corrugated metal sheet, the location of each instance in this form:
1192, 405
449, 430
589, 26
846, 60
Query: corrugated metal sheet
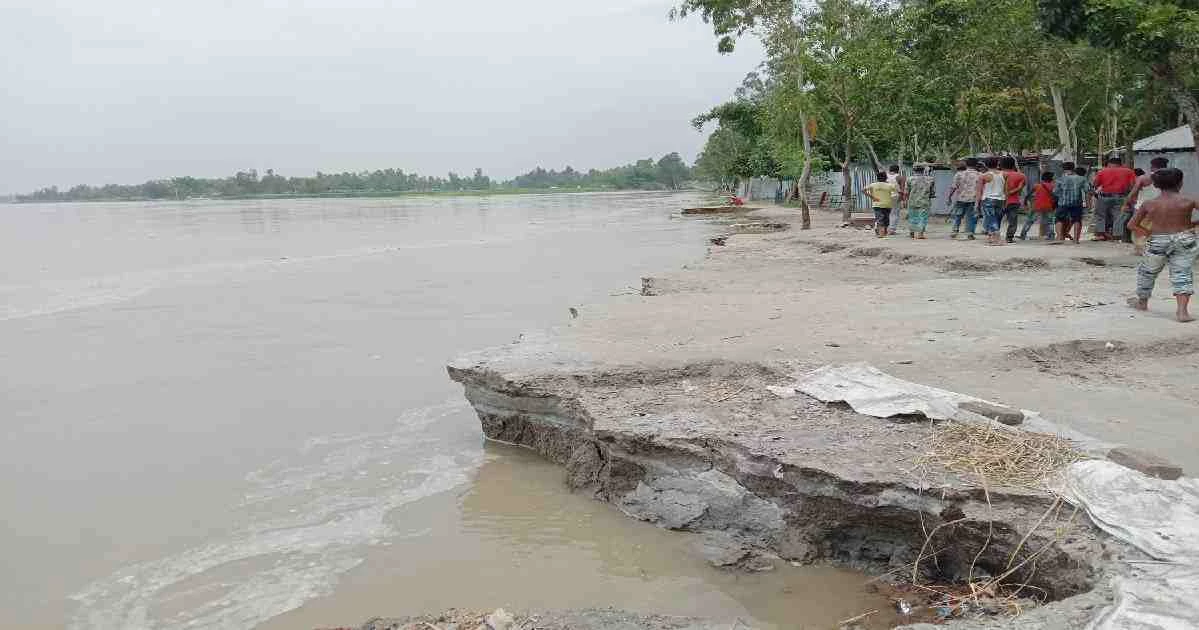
1179, 138
1185, 161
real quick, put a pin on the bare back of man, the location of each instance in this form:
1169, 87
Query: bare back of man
1168, 214
1171, 242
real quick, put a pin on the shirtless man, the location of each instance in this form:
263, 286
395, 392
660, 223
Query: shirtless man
1171, 241
1142, 191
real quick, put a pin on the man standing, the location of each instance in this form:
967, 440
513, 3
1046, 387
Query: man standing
882, 197
963, 194
1112, 183
1042, 207
1070, 193
1142, 191
992, 197
921, 192
1171, 242
1014, 180
897, 179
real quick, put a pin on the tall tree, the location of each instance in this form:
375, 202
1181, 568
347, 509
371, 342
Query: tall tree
1163, 34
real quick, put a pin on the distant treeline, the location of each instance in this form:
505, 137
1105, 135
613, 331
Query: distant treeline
669, 172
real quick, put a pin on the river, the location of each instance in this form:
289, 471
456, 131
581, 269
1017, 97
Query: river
236, 414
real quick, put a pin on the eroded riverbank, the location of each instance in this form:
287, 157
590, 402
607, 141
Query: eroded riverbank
658, 403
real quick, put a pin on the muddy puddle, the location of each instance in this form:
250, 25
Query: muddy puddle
516, 538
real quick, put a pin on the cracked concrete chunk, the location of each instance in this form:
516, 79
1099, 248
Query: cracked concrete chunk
722, 550
582, 469
999, 413
678, 501
672, 508
1147, 463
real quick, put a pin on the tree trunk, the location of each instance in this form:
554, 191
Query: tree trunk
878, 164
846, 184
1183, 99
802, 184
1065, 145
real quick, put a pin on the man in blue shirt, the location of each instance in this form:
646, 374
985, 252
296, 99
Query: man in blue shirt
1071, 195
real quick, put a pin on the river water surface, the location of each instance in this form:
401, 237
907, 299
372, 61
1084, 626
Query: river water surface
236, 415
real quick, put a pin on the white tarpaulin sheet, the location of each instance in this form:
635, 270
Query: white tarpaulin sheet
1159, 517
872, 392
875, 393
1156, 516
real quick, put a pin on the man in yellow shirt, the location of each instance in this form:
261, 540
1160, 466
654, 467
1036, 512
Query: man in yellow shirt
882, 194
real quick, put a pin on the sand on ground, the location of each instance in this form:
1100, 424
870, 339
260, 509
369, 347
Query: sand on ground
1027, 324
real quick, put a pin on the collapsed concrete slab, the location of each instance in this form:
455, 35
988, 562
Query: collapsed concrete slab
706, 447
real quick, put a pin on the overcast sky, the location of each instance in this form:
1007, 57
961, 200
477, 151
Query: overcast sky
103, 91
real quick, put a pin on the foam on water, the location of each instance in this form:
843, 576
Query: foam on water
309, 520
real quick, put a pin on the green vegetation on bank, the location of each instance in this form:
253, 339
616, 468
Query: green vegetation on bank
877, 81
668, 173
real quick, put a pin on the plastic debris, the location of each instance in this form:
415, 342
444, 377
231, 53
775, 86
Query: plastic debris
500, 620
903, 607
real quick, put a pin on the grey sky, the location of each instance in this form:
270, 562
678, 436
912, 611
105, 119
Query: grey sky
102, 91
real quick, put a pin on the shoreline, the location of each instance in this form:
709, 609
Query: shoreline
660, 403
366, 195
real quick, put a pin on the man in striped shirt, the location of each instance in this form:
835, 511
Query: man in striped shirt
1071, 194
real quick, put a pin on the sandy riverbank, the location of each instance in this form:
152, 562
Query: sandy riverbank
658, 404
996, 322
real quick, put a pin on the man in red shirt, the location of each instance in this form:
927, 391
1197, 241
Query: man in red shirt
1014, 182
1112, 184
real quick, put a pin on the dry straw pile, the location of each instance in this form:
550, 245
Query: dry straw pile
1001, 456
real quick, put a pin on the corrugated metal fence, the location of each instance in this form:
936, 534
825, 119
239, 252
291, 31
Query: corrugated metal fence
1185, 161
826, 189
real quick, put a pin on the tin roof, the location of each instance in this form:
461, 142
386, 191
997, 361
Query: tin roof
1174, 139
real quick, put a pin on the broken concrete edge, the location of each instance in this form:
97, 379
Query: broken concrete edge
1145, 462
1000, 413
758, 227
749, 506
949, 264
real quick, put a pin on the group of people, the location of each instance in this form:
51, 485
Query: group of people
1146, 209
995, 191
893, 191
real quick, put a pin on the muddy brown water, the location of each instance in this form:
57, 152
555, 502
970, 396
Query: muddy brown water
236, 415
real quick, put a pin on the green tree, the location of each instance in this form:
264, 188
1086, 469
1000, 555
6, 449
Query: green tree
672, 171
1162, 34
725, 157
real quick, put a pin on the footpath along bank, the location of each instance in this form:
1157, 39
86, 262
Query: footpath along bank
699, 405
